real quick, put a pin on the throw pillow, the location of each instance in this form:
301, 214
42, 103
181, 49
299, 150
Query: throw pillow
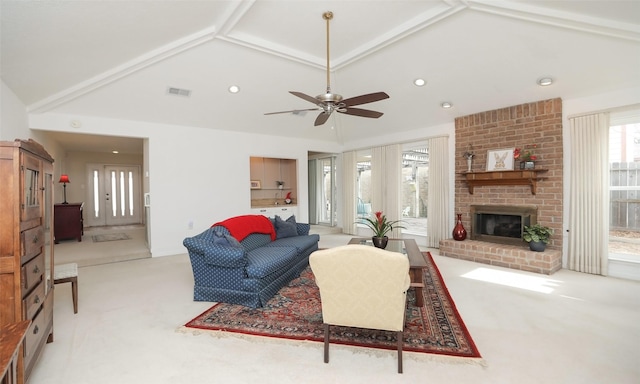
292, 220
285, 229
219, 238
233, 242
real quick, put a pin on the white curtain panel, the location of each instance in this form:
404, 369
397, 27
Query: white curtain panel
589, 194
386, 165
377, 179
438, 226
349, 192
314, 209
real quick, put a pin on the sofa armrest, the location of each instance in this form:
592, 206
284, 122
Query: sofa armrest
303, 229
221, 255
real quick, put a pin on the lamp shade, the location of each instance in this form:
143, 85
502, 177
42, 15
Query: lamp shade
64, 179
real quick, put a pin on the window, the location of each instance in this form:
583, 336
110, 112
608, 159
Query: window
363, 183
415, 182
624, 186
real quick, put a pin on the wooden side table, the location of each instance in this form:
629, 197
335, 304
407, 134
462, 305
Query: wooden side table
68, 221
11, 337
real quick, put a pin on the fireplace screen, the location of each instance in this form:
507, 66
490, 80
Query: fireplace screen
501, 224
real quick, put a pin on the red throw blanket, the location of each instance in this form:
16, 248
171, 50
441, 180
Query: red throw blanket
242, 226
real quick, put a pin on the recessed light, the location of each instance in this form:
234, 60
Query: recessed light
419, 82
114, 151
234, 89
545, 81
446, 105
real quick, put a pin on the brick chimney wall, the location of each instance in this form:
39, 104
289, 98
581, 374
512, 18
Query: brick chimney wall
538, 123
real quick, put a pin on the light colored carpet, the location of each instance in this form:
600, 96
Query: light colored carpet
565, 328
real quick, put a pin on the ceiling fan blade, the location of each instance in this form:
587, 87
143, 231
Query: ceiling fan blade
362, 112
322, 118
310, 99
294, 111
364, 99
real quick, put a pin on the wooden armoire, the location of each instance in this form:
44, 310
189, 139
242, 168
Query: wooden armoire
26, 245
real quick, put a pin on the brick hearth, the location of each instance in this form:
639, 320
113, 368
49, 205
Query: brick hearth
508, 256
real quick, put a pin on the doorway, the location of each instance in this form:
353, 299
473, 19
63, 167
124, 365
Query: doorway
322, 190
113, 195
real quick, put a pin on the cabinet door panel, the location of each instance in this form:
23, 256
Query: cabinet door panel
32, 188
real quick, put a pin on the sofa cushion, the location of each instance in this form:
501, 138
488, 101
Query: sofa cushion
299, 242
255, 240
267, 260
285, 228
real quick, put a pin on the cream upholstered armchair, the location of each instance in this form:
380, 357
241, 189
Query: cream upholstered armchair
362, 286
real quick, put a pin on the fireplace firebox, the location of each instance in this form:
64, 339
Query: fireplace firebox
502, 224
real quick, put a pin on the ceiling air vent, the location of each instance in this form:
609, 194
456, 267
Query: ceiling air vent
178, 91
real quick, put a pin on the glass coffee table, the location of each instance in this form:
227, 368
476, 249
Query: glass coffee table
417, 262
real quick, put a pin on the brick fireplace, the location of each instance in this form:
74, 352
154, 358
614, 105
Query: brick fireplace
537, 123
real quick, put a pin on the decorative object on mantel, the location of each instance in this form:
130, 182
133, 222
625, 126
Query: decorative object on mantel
459, 233
500, 159
526, 156
287, 199
469, 156
280, 184
380, 227
537, 236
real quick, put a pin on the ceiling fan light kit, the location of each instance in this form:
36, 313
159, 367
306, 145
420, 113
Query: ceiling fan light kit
329, 102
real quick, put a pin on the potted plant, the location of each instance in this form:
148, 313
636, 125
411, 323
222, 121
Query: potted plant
537, 236
380, 227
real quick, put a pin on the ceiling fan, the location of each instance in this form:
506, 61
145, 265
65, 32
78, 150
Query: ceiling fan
329, 102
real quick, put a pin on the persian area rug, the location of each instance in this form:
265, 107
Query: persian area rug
110, 237
295, 313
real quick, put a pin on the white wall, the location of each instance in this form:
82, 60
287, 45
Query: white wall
14, 125
195, 175
13, 116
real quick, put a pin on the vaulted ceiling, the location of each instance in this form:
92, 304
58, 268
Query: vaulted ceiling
116, 59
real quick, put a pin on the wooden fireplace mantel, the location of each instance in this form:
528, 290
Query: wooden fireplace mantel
518, 177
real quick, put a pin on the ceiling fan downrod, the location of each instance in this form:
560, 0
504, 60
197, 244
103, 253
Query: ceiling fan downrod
328, 16
328, 98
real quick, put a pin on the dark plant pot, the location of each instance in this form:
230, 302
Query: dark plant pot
537, 246
380, 242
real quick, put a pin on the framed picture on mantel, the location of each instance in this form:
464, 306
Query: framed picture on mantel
500, 159
255, 184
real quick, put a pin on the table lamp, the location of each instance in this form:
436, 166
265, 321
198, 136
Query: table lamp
64, 179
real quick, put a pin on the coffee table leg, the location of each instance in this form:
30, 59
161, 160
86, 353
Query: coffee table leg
417, 285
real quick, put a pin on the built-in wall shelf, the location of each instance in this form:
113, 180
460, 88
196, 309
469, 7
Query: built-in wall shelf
518, 177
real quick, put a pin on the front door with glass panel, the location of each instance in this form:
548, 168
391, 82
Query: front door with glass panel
113, 195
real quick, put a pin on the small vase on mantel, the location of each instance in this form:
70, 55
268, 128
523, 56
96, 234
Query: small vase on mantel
459, 233
380, 242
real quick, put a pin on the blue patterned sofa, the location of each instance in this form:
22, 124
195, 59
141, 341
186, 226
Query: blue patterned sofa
269, 254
